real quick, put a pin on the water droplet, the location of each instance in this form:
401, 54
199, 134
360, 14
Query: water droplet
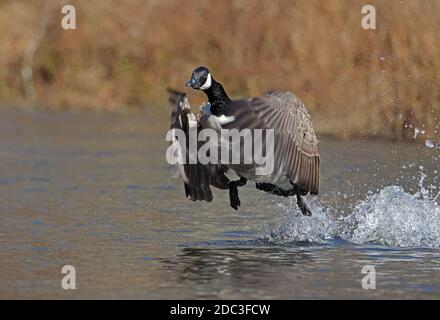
429, 144
418, 131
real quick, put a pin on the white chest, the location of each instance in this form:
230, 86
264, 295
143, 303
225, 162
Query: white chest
221, 120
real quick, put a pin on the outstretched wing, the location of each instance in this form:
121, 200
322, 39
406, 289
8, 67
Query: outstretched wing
195, 176
295, 146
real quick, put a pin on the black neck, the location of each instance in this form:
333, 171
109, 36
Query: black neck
218, 98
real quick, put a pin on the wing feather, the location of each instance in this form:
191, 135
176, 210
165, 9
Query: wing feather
195, 176
296, 145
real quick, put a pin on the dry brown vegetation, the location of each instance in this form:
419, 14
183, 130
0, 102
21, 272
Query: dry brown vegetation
125, 53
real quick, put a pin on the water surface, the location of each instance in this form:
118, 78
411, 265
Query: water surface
92, 190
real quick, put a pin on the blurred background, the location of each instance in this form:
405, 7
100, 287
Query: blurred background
356, 83
83, 175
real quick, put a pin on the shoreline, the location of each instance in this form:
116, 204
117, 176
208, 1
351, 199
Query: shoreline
161, 114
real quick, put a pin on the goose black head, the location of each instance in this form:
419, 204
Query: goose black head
201, 79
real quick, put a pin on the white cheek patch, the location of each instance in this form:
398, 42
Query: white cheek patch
207, 83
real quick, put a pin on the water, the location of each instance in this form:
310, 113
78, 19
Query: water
92, 190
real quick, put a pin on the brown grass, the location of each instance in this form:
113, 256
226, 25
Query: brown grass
124, 53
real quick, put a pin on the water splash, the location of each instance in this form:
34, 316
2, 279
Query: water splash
391, 217
432, 144
293, 227
394, 217
417, 132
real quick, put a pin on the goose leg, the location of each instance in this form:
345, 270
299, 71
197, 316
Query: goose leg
273, 189
303, 206
233, 192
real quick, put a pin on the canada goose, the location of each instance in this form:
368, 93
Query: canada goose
197, 177
295, 153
